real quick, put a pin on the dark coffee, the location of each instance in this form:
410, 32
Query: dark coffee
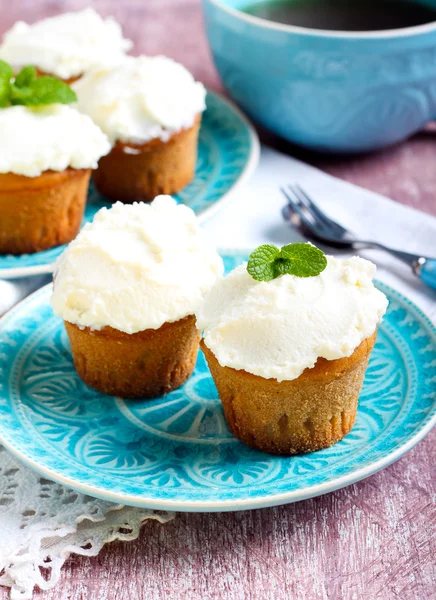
345, 15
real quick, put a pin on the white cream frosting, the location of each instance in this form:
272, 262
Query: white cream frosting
141, 99
135, 267
33, 140
279, 328
67, 45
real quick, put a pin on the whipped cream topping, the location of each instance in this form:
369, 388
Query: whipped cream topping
135, 267
54, 137
279, 328
141, 99
67, 45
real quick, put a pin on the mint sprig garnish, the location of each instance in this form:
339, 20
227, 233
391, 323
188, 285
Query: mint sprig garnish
48, 90
27, 89
25, 77
267, 262
6, 75
262, 261
305, 260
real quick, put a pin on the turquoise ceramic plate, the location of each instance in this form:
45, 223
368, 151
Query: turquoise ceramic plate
228, 152
176, 452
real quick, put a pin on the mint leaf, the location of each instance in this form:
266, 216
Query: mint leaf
282, 266
47, 90
6, 75
17, 94
305, 260
20, 88
29, 90
261, 263
302, 260
25, 77
6, 70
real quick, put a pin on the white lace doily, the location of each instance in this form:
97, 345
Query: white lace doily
42, 523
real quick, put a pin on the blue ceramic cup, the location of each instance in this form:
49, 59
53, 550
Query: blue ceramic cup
327, 90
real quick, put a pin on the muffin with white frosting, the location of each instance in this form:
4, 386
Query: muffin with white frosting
127, 289
66, 46
288, 354
46, 157
150, 108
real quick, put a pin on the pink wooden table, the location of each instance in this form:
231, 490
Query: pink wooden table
373, 540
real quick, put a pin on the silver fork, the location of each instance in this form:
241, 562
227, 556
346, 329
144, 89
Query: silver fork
302, 212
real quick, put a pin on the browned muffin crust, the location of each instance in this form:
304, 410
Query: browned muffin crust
37, 213
309, 413
146, 364
132, 172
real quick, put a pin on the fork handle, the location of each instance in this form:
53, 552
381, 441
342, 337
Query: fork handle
413, 260
425, 269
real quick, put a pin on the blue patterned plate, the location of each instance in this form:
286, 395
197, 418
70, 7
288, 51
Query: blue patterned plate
176, 452
228, 152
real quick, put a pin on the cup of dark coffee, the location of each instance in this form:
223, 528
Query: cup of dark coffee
333, 75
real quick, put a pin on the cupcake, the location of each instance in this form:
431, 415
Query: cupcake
150, 108
66, 46
288, 354
127, 289
46, 157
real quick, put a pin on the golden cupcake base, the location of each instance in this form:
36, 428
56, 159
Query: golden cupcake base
133, 172
146, 364
37, 213
309, 413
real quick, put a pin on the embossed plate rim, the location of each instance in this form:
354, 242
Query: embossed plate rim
247, 503
247, 171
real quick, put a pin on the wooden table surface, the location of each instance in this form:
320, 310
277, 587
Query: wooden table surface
373, 540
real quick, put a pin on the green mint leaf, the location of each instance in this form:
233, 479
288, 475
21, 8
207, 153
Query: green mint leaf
282, 266
6, 75
305, 260
47, 90
25, 77
18, 94
261, 263
29, 90
302, 260
6, 70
